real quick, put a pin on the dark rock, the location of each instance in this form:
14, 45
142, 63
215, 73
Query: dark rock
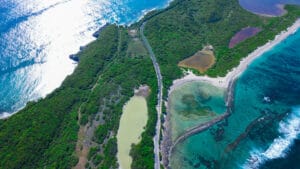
81, 48
97, 33
74, 58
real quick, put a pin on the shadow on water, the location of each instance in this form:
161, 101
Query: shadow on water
15, 22
23, 64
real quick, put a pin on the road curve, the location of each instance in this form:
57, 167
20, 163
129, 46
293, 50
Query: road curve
159, 97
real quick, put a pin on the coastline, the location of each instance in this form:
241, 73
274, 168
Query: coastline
227, 82
223, 82
73, 57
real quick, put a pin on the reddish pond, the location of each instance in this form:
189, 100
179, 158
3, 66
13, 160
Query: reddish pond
243, 35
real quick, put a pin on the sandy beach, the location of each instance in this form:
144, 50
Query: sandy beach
224, 82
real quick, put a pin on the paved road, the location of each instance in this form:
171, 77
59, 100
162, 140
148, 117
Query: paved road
159, 97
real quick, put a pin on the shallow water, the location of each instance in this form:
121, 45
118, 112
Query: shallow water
132, 123
37, 37
194, 103
263, 129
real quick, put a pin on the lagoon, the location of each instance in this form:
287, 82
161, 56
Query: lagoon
194, 103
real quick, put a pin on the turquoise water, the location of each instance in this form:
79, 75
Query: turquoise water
194, 103
263, 130
37, 37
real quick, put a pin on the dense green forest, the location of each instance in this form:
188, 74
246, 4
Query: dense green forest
44, 134
113, 89
188, 25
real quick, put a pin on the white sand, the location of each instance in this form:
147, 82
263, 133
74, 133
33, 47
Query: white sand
223, 82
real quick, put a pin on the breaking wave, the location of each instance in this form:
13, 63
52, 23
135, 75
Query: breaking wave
289, 130
5, 115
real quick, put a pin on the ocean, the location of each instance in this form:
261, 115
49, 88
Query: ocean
263, 131
264, 128
37, 37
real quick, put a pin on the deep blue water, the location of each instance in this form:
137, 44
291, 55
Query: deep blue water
263, 131
268, 7
283, 69
37, 36
275, 75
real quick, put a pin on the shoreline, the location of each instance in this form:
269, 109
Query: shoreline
223, 82
73, 57
227, 82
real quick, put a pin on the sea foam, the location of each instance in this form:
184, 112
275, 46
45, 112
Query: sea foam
289, 130
5, 115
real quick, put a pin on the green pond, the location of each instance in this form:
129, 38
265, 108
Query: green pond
132, 123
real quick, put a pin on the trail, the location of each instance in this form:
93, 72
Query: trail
159, 97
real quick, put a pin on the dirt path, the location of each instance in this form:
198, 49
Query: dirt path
81, 149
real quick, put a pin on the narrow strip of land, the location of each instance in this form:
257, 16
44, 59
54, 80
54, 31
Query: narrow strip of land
159, 97
197, 129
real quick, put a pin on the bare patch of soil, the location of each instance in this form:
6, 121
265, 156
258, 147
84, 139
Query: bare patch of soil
201, 61
142, 91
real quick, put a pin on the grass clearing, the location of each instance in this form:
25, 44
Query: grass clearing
136, 48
